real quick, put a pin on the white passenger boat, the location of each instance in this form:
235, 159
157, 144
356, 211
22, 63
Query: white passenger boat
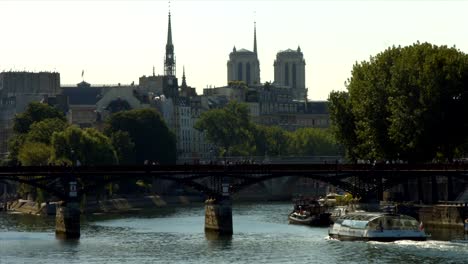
377, 227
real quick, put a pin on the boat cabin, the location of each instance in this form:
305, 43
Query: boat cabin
377, 226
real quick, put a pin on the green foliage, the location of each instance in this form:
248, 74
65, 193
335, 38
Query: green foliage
35, 112
147, 130
54, 120
124, 147
14, 146
405, 103
89, 146
312, 142
34, 154
229, 128
42, 131
343, 123
239, 84
270, 140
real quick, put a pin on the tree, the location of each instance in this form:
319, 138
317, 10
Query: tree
312, 142
35, 112
229, 128
34, 154
124, 147
14, 145
147, 130
270, 140
405, 103
42, 131
88, 146
343, 123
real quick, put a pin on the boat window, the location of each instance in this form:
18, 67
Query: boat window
354, 224
410, 224
395, 224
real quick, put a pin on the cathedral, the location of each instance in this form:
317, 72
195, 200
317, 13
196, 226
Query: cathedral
289, 69
243, 65
290, 72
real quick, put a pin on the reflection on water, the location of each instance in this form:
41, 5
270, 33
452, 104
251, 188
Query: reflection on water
446, 234
216, 236
176, 235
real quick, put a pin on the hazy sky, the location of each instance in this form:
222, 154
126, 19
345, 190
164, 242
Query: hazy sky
119, 41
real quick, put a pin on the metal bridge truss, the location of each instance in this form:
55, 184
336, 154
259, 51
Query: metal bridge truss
360, 180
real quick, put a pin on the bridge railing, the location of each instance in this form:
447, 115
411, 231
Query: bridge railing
236, 167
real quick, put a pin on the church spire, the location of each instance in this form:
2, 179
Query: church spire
169, 60
184, 82
255, 38
169, 31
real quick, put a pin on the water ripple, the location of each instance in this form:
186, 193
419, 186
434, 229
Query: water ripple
176, 235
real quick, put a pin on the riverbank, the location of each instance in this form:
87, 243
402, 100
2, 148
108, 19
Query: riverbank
105, 206
442, 215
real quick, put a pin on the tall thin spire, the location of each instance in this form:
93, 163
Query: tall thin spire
255, 37
184, 82
169, 60
169, 30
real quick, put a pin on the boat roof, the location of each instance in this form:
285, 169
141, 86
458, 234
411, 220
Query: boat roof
369, 216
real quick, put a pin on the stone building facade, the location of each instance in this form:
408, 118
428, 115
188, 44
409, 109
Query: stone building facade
290, 72
17, 90
243, 65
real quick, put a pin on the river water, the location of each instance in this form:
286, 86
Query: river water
176, 235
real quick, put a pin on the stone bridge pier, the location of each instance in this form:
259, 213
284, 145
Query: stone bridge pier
67, 217
218, 212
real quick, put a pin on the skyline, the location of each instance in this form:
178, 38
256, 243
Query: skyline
120, 41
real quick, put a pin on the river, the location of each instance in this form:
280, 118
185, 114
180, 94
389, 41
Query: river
176, 235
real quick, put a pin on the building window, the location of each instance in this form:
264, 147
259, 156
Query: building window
286, 74
239, 71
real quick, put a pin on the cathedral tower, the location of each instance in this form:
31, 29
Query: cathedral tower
243, 65
290, 71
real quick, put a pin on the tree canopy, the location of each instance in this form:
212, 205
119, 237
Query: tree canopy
88, 146
36, 124
42, 131
404, 103
148, 132
313, 142
35, 112
229, 128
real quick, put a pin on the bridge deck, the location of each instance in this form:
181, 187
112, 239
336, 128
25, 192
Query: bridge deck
292, 169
